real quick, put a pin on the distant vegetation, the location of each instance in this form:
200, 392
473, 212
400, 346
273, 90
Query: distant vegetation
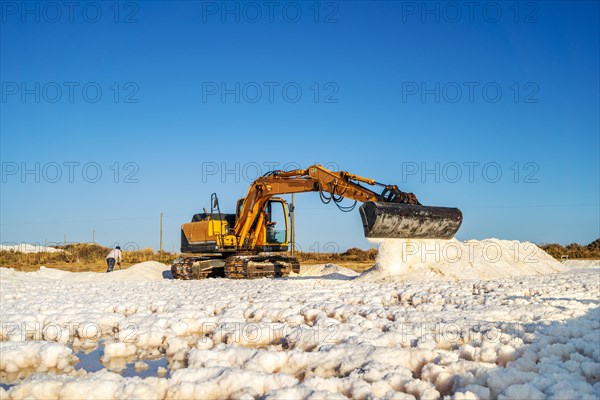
90, 256
350, 255
80, 254
573, 250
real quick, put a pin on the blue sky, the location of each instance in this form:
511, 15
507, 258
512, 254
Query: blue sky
171, 94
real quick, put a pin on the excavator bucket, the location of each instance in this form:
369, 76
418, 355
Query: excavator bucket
404, 221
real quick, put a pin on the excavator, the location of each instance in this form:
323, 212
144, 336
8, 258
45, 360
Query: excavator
253, 242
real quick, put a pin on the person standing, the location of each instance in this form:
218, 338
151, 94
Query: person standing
112, 257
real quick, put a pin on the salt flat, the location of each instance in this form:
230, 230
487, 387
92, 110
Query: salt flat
327, 333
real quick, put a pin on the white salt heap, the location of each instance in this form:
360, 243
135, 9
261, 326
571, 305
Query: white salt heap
145, 271
327, 271
427, 259
18, 359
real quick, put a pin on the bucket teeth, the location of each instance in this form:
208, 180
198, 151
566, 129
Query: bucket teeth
405, 221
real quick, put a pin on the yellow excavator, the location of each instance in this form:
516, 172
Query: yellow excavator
252, 243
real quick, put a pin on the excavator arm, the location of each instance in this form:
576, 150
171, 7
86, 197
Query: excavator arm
390, 213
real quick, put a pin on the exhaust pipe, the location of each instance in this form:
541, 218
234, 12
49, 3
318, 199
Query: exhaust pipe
406, 221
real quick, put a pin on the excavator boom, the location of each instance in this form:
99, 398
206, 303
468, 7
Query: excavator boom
388, 214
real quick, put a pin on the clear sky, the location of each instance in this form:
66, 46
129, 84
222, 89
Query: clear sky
112, 113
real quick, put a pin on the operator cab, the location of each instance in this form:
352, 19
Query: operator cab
275, 221
275, 224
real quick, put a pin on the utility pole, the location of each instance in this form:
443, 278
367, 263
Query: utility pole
94, 237
293, 234
161, 217
65, 240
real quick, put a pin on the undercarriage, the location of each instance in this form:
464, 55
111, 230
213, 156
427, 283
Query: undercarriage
238, 266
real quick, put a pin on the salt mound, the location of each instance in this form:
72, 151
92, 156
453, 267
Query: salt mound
327, 271
28, 248
582, 263
34, 356
430, 259
145, 271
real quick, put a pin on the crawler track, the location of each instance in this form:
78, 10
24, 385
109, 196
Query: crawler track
241, 266
257, 266
188, 268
